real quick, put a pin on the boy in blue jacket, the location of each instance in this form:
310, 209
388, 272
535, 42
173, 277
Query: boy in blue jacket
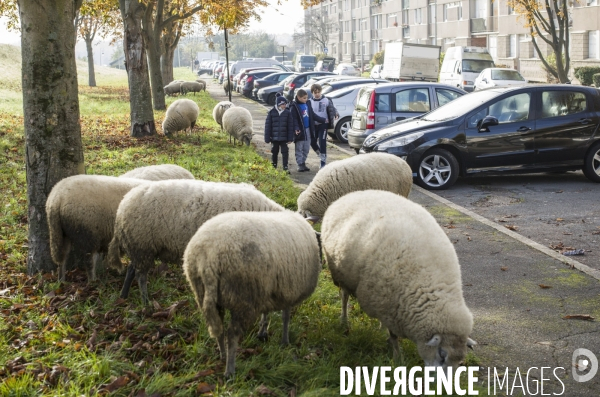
304, 126
279, 131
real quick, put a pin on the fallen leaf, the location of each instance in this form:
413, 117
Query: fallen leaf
92, 341
579, 317
511, 227
204, 388
115, 384
265, 391
543, 286
156, 305
559, 191
559, 219
204, 373
504, 268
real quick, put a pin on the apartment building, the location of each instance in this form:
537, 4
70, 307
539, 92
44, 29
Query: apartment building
360, 28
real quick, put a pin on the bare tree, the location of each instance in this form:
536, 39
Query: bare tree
548, 21
315, 29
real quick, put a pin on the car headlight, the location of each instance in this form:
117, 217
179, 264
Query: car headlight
466, 82
401, 141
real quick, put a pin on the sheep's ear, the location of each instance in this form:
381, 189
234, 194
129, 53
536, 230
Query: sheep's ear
435, 341
318, 236
471, 343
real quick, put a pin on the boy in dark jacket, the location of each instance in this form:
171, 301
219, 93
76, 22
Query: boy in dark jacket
279, 131
304, 126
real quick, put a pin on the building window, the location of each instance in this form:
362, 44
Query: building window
594, 41
511, 10
405, 4
432, 13
480, 8
405, 19
460, 11
513, 46
592, 2
493, 46
418, 16
445, 12
364, 24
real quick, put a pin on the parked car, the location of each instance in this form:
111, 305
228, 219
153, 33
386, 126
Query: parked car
268, 94
327, 64
289, 65
237, 86
305, 63
498, 77
346, 69
462, 65
269, 80
381, 105
376, 72
256, 63
344, 100
248, 80
533, 128
299, 79
336, 85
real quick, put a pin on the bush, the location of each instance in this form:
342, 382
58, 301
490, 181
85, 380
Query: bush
596, 79
585, 74
378, 58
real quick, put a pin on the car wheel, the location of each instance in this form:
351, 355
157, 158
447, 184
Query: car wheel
438, 170
341, 129
591, 165
271, 99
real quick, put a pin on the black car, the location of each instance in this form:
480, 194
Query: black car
301, 78
534, 128
249, 79
269, 80
269, 94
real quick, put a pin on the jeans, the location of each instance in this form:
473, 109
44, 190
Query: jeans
302, 148
321, 141
275, 153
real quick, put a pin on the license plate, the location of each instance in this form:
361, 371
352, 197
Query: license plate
356, 124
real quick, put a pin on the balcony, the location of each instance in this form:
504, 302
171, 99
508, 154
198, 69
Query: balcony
375, 34
478, 25
353, 36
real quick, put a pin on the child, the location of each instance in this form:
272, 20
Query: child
323, 108
279, 131
304, 125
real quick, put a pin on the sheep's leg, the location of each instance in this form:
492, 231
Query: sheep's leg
234, 333
286, 314
128, 280
344, 295
393, 339
221, 337
263, 327
142, 278
90, 267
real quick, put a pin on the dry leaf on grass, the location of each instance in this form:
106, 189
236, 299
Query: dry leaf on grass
265, 391
512, 227
504, 268
115, 384
586, 317
204, 388
543, 286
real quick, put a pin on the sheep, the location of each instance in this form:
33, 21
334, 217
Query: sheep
370, 171
159, 221
393, 256
202, 82
237, 122
81, 214
250, 263
159, 172
218, 111
227, 86
180, 115
191, 86
172, 88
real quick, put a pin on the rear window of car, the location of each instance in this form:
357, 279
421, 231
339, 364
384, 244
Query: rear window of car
507, 75
308, 59
364, 97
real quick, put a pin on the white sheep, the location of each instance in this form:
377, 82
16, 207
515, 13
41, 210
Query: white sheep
191, 86
227, 86
377, 171
250, 263
81, 213
173, 88
393, 256
237, 122
203, 82
159, 221
159, 172
218, 111
182, 114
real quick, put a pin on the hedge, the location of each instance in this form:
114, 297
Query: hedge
596, 79
585, 74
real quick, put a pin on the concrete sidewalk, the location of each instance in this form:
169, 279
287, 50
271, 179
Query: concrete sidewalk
519, 296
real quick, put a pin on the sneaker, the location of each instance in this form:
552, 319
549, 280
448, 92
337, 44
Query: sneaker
322, 164
305, 167
274, 165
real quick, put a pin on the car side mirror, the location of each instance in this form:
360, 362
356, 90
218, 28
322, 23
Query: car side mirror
484, 80
484, 124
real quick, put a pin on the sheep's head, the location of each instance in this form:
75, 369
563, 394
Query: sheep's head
445, 350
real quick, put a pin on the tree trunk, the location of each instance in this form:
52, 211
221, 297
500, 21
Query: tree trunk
140, 97
91, 72
51, 112
156, 80
168, 45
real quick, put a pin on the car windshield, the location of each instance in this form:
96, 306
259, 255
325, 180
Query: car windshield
506, 75
460, 106
308, 59
476, 65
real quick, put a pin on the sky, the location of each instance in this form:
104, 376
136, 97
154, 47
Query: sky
275, 20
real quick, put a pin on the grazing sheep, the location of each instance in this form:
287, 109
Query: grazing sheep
376, 171
191, 86
159, 173
227, 86
202, 82
218, 111
250, 263
81, 216
182, 114
173, 88
237, 122
393, 256
161, 220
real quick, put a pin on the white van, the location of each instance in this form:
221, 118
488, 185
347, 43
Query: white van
462, 65
256, 63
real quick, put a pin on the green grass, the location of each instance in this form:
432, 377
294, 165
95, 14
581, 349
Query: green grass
72, 339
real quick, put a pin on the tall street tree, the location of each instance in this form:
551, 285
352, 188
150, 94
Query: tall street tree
53, 148
548, 21
316, 28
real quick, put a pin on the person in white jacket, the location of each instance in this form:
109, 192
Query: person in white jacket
323, 108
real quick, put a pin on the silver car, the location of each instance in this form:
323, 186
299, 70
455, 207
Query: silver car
344, 100
378, 106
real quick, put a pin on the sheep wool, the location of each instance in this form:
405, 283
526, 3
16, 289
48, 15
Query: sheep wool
173, 88
218, 111
182, 114
191, 86
376, 171
237, 122
81, 215
393, 256
159, 173
159, 221
250, 263
227, 86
